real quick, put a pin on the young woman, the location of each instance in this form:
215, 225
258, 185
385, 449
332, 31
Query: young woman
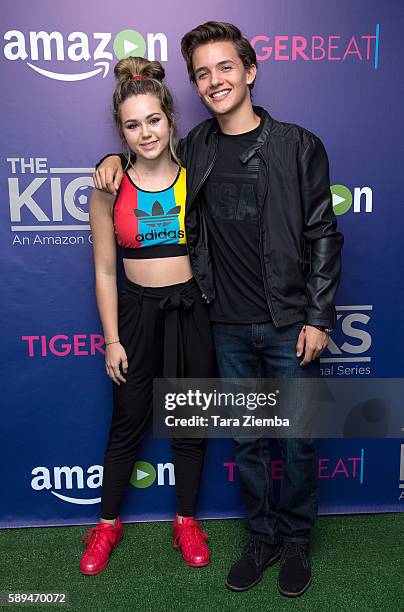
159, 324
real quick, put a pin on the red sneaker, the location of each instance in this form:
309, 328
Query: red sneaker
190, 537
100, 541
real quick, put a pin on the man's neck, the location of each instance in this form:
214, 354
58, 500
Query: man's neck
240, 120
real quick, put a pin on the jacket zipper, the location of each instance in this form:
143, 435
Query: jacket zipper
205, 176
264, 278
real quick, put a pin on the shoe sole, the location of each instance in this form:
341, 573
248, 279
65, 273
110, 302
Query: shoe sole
196, 564
287, 594
90, 573
271, 561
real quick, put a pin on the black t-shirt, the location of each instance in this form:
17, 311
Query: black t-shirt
230, 203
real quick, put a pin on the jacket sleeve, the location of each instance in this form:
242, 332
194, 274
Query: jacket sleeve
124, 159
183, 151
320, 234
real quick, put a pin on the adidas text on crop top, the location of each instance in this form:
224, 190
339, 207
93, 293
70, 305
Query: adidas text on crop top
150, 224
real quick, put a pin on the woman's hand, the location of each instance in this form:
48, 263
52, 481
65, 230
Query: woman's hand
115, 356
109, 175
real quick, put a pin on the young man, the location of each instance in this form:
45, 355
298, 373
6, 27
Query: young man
259, 214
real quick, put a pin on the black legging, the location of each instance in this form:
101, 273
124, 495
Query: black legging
165, 331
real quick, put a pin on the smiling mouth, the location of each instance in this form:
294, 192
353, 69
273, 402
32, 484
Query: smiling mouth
219, 95
149, 145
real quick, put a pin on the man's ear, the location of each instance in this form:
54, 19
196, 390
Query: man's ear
251, 74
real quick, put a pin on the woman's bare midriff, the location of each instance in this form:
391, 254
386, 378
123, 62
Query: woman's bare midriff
159, 272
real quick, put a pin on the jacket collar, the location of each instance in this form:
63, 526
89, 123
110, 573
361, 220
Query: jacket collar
265, 128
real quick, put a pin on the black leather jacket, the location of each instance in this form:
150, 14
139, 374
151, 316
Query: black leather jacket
300, 247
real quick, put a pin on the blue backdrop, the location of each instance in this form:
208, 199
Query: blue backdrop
335, 68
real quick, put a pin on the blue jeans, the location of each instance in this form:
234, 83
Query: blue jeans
261, 349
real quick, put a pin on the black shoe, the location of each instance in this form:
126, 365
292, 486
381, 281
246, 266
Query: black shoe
295, 573
248, 570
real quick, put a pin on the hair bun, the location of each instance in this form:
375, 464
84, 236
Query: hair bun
127, 68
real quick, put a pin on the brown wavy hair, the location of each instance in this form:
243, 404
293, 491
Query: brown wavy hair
217, 31
152, 83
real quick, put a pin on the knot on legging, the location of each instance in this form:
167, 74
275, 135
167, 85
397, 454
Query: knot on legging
174, 361
174, 301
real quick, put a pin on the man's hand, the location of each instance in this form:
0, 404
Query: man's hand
109, 175
311, 342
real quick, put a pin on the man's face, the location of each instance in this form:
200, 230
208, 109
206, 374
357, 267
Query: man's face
221, 78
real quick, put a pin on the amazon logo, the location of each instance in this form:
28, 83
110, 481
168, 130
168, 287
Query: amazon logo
83, 55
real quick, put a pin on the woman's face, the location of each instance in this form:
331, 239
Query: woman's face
145, 126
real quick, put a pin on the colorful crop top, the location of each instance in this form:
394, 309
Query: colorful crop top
150, 224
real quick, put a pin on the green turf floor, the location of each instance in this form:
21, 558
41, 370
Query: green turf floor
357, 562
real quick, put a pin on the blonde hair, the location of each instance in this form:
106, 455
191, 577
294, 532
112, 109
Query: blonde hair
152, 83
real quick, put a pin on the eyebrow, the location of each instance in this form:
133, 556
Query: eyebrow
226, 61
148, 117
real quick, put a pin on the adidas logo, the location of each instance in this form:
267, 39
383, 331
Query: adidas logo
157, 218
